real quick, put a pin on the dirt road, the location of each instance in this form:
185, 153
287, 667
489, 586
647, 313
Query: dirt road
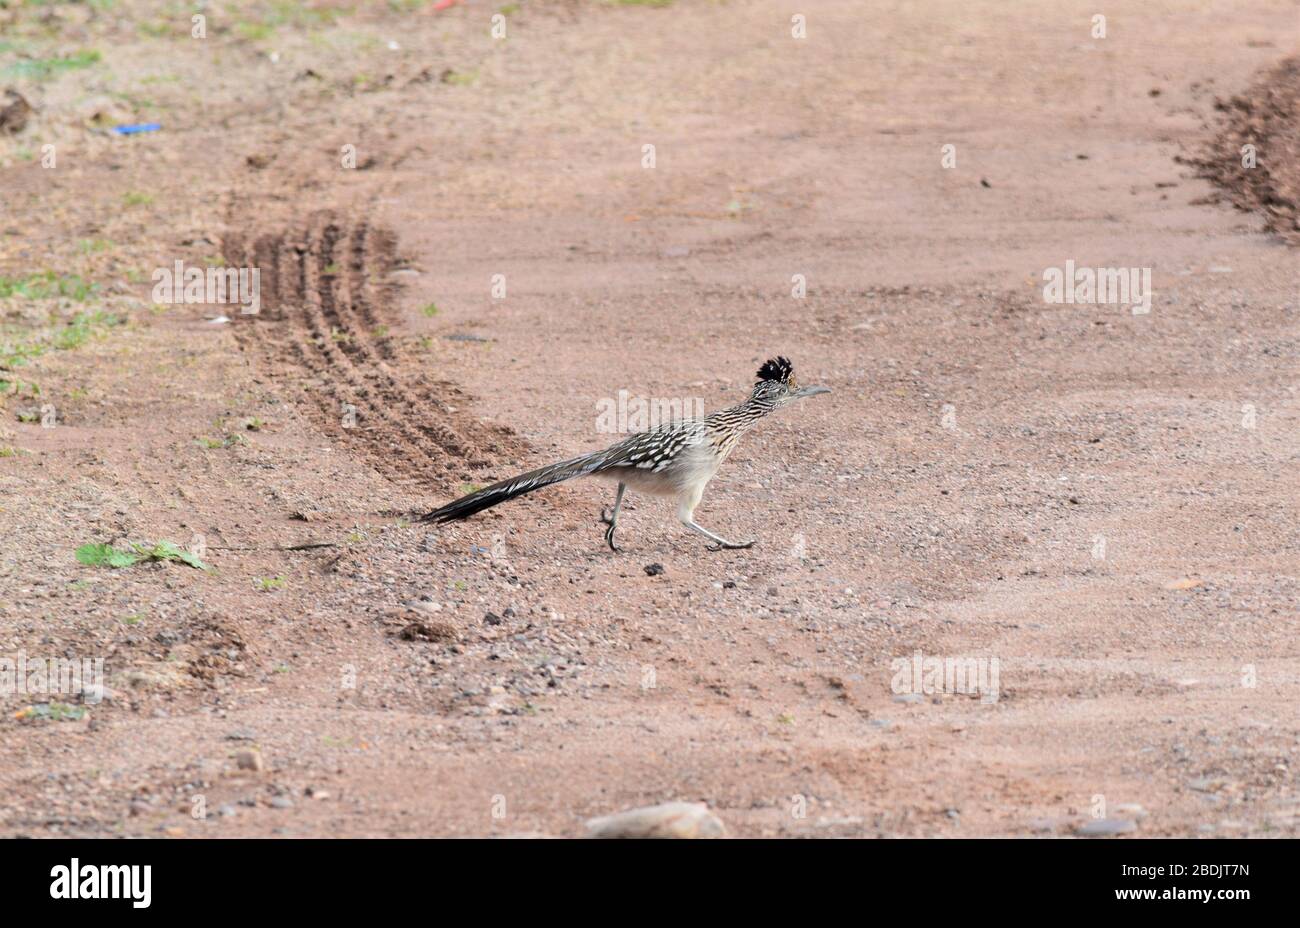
466, 246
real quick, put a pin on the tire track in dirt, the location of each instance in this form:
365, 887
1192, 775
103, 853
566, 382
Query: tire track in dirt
323, 334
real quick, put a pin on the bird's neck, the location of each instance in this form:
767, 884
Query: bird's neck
725, 426
743, 415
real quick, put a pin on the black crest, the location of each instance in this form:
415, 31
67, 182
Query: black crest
778, 369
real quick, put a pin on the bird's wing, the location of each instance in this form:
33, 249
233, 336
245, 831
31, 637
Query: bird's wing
655, 449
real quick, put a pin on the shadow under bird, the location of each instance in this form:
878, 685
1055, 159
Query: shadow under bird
677, 459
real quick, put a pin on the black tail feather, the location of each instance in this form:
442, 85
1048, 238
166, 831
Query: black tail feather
504, 490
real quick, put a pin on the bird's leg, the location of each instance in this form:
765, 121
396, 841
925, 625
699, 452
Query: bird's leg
686, 513
612, 519
720, 542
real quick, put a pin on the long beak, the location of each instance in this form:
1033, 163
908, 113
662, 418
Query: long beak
811, 391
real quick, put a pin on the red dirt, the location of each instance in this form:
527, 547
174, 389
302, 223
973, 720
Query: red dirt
511, 675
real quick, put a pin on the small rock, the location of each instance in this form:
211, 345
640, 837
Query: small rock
96, 693
668, 820
492, 618
910, 698
282, 802
1106, 827
249, 760
429, 631
654, 570
14, 112
226, 810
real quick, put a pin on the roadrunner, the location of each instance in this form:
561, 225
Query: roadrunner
677, 459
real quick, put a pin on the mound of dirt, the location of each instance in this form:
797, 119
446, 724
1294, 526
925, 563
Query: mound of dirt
1267, 118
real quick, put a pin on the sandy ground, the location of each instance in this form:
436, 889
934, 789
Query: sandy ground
1102, 501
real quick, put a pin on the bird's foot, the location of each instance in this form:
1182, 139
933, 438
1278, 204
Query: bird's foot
730, 544
609, 538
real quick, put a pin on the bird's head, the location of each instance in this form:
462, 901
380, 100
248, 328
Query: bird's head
776, 384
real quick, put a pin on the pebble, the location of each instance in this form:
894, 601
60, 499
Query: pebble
429, 631
654, 570
668, 820
249, 760
1106, 827
282, 802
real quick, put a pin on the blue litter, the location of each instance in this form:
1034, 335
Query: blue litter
139, 127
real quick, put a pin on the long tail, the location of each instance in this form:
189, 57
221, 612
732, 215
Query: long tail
499, 492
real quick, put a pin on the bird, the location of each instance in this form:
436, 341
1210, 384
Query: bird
676, 459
